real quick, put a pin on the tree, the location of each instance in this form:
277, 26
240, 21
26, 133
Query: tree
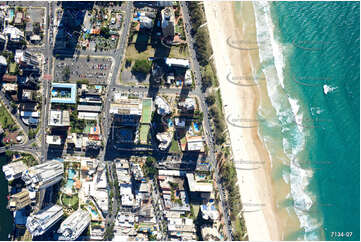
142, 66
210, 100
149, 167
66, 73
105, 32
203, 47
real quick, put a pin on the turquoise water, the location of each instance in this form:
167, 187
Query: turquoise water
71, 173
94, 212
196, 127
70, 181
310, 57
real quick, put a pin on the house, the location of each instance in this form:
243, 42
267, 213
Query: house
9, 78
19, 18
195, 143
188, 78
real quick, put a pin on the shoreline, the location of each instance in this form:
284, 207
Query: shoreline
254, 184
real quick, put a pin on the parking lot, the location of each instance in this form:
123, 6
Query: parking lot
96, 70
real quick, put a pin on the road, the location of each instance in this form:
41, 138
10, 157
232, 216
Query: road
117, 58
198, 77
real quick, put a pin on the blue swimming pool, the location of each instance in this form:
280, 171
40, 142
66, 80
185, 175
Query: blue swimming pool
12, 14
71, 173
196, 127
170, 123
70, 182
94, 212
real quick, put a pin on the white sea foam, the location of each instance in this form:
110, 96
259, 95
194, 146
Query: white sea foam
327, 89
316, 110
288, 110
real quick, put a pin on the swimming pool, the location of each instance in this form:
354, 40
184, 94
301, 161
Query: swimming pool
12, 14
170, 123
196, 127
71, 173
70, 182
94, 212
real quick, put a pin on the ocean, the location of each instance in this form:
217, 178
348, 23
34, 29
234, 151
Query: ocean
310, 57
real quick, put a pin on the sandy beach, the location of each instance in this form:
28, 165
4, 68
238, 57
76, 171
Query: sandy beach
241, 102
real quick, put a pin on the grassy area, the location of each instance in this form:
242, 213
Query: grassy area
29, 160
12, 68
70, 201
174, 147
147, 111
175, 52
6, 120
143, 133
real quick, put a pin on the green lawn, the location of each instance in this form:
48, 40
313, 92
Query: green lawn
147, 111
6, 120
12, 68
175, 52
70, 201
174, 147
143, 133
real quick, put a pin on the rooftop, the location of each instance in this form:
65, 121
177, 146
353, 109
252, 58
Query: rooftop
59, 118
63, 93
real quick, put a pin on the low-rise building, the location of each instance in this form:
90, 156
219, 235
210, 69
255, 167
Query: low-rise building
10, 87
182, 228
195, 143
19, 200
188, 81
38, 223
189, 104
173, 62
